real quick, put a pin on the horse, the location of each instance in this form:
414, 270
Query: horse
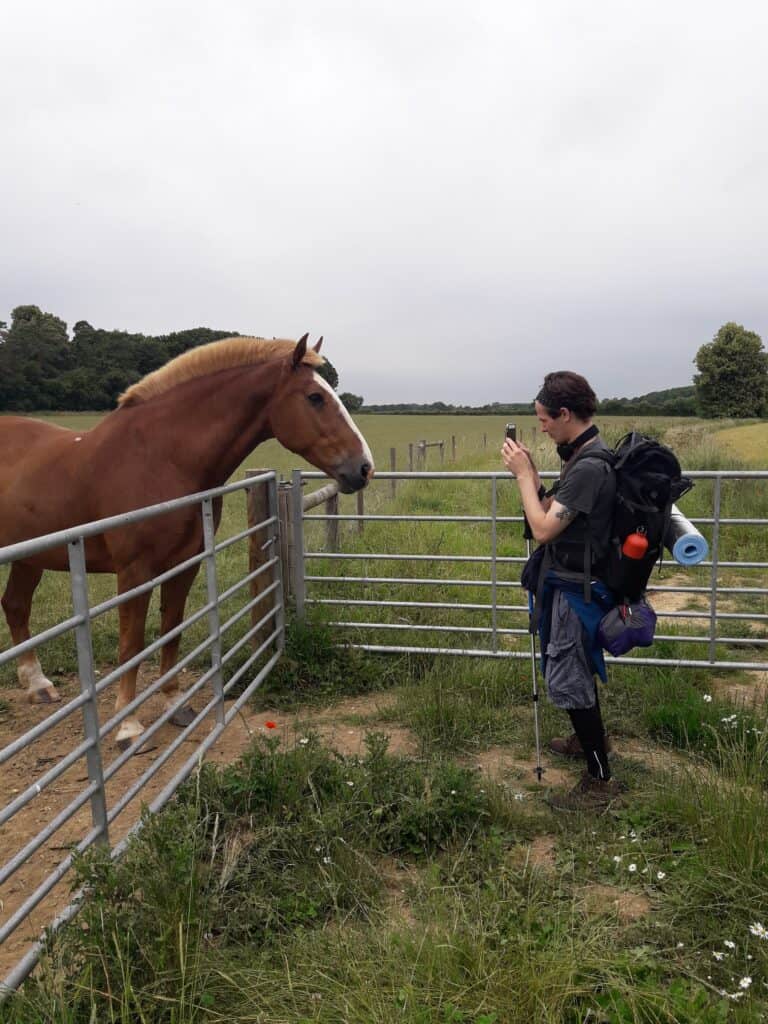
183, 428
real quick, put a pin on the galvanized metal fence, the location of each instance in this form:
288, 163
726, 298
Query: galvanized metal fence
714, 582
252, 668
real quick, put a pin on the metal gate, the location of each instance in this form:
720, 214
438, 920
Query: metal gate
214, 684
708, 591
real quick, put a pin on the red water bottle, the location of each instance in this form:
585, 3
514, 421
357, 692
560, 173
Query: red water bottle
635, 544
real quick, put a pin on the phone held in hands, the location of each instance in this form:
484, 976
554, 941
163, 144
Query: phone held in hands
510, 431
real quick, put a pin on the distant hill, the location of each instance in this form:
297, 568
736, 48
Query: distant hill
671, 402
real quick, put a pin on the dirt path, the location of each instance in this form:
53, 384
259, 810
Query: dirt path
342, 726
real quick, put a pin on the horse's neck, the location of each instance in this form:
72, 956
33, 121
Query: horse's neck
210, 424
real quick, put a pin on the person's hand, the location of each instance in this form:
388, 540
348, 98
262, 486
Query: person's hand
517, 458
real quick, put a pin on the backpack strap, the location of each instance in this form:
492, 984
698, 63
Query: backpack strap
599, 455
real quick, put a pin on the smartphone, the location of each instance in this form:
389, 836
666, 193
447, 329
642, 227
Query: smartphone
510, 431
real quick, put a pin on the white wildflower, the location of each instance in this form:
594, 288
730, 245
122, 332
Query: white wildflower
708, 698
758, 930
718, 956
304, 741
326, 860
350, 782
632, 868
617, 859
745, 983
728, 944
661, 875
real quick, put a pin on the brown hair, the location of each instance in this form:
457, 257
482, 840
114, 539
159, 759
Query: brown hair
564, 389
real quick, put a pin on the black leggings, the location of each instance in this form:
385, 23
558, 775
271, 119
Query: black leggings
588, 726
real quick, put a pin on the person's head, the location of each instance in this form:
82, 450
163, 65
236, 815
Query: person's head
565, 405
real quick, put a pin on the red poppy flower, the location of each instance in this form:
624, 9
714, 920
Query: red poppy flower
270, 725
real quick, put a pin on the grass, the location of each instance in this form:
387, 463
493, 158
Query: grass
300, 884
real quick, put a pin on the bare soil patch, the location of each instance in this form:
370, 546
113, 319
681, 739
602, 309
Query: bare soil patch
676, 602
342, 727
653, 757
751, 693
503, 765
628, 906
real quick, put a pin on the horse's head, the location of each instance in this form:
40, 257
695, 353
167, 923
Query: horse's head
307, 417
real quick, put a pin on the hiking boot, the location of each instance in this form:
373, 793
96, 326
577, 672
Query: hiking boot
571, 747
589, 794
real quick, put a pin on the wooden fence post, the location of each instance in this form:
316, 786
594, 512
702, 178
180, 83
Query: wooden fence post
360, 510
332, 525
410, 457
442, 453
393, 467
453, 447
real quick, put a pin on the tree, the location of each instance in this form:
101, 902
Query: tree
351, 402
733, 374
328, 372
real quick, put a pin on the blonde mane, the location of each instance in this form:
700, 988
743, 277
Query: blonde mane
211, 358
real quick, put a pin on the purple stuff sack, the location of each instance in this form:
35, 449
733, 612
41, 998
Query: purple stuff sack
627, 626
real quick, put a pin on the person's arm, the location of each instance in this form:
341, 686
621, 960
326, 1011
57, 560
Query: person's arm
546, 521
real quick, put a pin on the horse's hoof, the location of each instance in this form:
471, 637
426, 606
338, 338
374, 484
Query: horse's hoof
44, 695
123, 744
183, 717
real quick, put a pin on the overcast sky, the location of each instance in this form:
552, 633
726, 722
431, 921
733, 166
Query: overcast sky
459, 196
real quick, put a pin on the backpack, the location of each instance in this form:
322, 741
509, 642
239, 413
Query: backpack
648, 482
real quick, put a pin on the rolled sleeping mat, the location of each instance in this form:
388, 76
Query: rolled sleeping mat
687, 545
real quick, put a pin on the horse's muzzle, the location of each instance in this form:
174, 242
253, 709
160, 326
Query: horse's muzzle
354, 474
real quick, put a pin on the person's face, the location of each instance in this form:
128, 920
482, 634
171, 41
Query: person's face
558, 428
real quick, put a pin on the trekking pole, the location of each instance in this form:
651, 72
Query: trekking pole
527, 534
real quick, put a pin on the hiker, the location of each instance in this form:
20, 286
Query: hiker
568, 523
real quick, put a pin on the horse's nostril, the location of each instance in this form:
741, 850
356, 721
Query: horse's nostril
365, 469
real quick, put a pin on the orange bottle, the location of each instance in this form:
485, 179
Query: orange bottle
635, 544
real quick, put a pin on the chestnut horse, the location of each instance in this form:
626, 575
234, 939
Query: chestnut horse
184, 428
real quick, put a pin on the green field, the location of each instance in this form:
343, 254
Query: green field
478, 438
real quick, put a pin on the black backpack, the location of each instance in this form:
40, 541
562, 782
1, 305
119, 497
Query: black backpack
648, 482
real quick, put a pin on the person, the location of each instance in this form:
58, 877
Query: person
569, 523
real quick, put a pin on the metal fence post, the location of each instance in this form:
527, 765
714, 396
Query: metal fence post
286, 537
494, 567
85, 671
212, 593
713, 579
297, 522
274, 533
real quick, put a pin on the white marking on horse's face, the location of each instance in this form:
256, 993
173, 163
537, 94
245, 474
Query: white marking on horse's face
366, 454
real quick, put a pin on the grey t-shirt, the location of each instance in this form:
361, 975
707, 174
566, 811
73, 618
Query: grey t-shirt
588, 486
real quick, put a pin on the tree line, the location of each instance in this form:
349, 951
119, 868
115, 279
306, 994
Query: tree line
42, 369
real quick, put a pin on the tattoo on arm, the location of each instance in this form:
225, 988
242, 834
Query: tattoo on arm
564, 513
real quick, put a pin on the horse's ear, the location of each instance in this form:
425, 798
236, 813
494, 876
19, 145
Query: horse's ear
316, 347
300, 351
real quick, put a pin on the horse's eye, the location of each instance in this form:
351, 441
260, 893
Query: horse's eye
316, 399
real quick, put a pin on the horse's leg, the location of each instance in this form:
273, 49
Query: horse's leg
133, 618
17, 603
173, 598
